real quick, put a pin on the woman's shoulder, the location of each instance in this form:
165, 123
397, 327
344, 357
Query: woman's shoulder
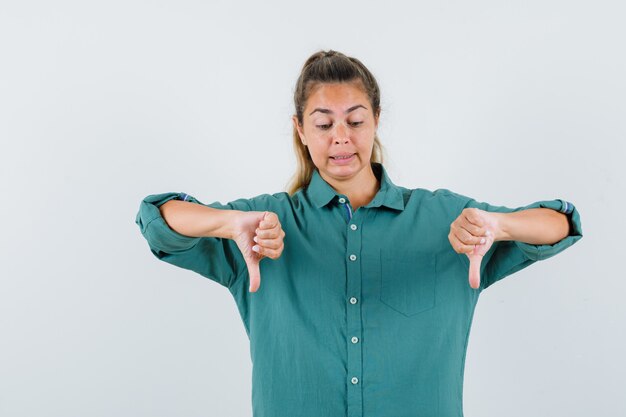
439, 197
275, 201
447, 193
438, 193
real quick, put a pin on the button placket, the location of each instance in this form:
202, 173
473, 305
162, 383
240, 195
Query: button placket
346, 207
354, 311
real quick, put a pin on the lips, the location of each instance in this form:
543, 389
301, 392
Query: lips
343, 156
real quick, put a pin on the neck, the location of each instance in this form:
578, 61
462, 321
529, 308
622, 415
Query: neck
360, 190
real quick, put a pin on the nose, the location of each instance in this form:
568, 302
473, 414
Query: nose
341, 133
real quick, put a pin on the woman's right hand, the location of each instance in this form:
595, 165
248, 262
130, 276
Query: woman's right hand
264, 229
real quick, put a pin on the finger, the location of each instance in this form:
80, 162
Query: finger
463, 225
272, 253
259, 252
474, 270
464, 238
269, 221
254, 273
268, 243
265, 233
468, 238
472, 228
269, 233
459, 247
473, 216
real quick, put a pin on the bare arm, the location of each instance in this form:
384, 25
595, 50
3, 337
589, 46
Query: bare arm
197, 220
537, 226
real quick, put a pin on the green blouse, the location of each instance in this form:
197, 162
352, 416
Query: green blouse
365, 313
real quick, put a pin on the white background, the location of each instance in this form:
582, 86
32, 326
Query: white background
104, 103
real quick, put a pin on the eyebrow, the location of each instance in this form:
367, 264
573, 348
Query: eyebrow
329, 111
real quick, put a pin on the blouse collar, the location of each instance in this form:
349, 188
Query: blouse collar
389, 194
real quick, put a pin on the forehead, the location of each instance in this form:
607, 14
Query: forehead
337, 96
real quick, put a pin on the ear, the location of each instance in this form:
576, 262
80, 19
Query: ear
297, 126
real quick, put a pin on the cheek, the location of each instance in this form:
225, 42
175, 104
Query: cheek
319, 154
315, 149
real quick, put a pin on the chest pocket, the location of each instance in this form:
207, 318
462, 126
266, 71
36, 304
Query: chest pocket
408, 280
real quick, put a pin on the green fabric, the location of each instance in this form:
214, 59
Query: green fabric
397, 316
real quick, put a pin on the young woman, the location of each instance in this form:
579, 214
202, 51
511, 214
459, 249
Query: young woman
364, 307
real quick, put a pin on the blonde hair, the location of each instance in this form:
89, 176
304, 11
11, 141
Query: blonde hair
328, 67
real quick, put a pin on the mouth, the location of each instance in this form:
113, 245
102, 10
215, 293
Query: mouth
342, 157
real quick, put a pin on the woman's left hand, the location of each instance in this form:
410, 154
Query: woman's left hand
473, 233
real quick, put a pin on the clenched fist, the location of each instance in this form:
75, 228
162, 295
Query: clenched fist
264, 229
473, 233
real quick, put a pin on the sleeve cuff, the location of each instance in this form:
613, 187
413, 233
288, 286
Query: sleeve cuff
541, 252
154, 228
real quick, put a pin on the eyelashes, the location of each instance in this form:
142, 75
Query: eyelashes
327, 126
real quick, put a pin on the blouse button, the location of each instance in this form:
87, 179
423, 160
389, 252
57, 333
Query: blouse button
352, 300
355, 339
355, 380
353, 257
353, 226
342, 200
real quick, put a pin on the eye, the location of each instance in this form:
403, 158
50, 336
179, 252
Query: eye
327, 126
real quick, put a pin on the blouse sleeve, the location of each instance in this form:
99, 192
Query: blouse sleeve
507, 257
218, 259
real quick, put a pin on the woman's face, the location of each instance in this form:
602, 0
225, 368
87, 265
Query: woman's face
338, 120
